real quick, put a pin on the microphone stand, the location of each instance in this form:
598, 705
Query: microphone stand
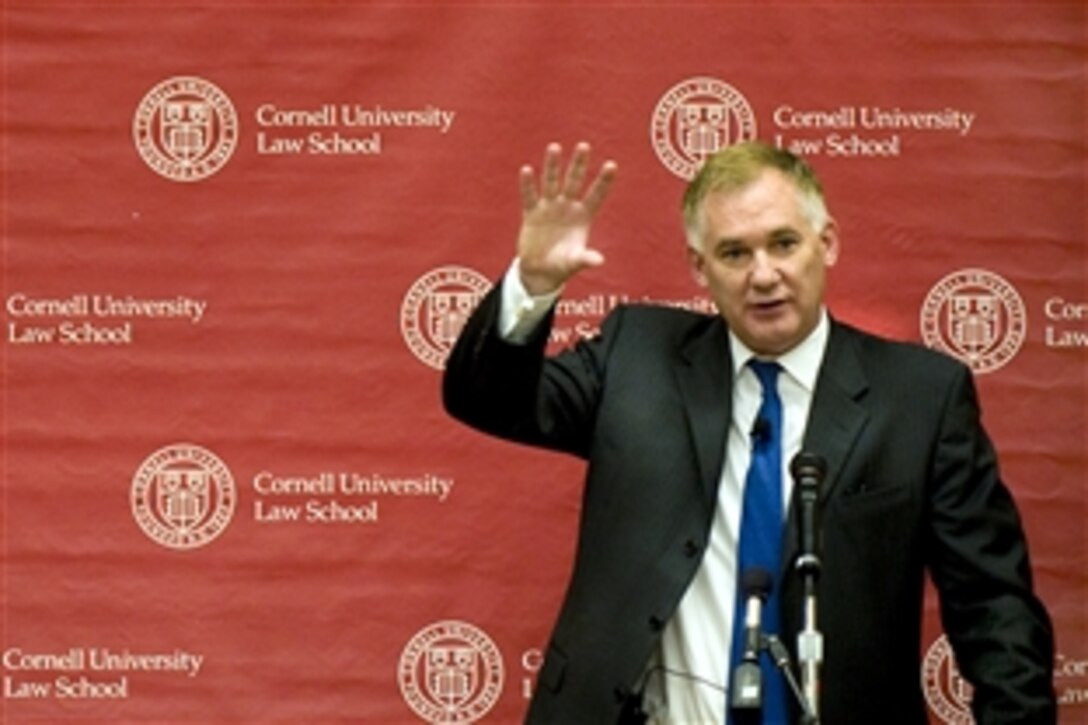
810, 642
809, 470
781, 658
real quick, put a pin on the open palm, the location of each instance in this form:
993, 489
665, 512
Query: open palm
553, 243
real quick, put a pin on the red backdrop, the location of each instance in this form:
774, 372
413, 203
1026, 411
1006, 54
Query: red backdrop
237, 240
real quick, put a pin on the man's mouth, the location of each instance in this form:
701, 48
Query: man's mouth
766, 307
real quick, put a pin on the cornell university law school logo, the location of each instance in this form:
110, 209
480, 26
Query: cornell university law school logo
435, 309
450, 672
948, 694
185, 128
695, 118
183, 496
976, 316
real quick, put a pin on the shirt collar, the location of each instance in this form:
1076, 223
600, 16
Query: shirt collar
802, 362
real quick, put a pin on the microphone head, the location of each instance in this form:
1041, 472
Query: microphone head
756, 582
808, 465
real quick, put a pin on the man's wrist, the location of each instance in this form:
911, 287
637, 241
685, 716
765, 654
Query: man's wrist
522, 310
536, 285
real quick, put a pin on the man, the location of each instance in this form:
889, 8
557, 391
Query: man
663, 405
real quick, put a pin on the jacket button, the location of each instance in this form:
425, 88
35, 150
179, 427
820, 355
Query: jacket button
656, 623
690, 548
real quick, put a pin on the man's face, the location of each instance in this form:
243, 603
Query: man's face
764, 263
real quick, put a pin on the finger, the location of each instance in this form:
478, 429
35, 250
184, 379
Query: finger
577, 261
590, 258
549, 184
598, 190
576, 172
527, 185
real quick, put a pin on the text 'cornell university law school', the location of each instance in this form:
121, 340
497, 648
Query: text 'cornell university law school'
342, 125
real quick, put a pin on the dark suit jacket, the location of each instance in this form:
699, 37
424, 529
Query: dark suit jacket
912, 483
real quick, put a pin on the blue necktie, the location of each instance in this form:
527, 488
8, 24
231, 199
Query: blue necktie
760, 543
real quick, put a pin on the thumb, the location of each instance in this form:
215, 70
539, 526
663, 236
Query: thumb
588, 258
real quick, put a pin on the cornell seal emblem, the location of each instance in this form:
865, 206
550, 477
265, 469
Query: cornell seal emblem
185, 128
450, 672
183, 496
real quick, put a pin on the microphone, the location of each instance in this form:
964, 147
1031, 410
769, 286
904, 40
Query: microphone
808, 471
747, 689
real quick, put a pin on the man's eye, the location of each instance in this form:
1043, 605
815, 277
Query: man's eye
732, 254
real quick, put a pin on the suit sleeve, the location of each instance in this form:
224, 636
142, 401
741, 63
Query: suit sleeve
998, 628
515, 392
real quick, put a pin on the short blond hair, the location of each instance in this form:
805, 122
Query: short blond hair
737, 166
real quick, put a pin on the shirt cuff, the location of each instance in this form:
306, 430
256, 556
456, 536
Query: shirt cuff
520, 312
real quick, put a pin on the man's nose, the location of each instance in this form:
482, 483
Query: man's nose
764, 271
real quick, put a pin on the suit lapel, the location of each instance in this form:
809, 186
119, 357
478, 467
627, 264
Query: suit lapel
837, 416
835, 419
704, 379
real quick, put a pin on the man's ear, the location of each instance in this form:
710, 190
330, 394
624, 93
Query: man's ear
829, 237
698, 264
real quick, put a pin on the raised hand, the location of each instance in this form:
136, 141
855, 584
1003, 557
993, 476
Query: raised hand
556, 216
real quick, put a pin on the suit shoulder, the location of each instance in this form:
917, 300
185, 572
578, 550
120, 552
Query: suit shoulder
660, 320
897, 356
